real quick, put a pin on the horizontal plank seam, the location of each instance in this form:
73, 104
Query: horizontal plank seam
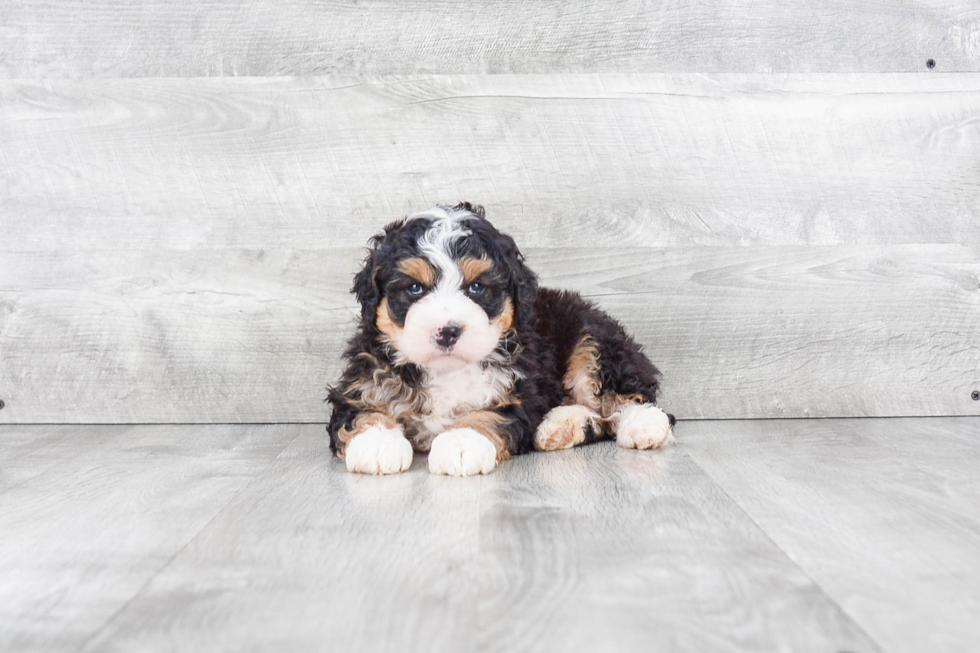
701, 96
395, 78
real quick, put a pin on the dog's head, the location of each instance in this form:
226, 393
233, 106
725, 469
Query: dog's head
444, 287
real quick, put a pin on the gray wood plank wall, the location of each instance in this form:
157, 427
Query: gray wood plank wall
787, 223
168, 38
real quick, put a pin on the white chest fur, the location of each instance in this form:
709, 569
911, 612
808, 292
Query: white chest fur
452, 393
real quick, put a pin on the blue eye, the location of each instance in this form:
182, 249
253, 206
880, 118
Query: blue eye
475, 288
415, 289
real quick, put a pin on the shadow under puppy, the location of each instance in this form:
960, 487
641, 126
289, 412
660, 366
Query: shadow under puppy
460, 354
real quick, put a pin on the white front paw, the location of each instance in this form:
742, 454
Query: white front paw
379, 450
462, 452
643, 427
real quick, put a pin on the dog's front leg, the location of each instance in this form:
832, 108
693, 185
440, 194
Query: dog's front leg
371, 443
474, 444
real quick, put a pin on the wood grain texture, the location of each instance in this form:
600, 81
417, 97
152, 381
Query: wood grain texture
594, 550
559, 159
255, 336
789, 535
797, 332
97, 514
895, 542
45, 38
945, 449
604, 549
158, 336
27, 451
311, 558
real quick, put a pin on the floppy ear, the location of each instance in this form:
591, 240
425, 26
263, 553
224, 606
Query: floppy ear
523, 282
367, 287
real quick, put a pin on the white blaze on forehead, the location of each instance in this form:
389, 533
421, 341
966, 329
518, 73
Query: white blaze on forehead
436, 244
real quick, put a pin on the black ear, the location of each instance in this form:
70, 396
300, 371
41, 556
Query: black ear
522, 280
367, 285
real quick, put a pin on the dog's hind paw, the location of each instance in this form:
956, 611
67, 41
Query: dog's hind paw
643, 426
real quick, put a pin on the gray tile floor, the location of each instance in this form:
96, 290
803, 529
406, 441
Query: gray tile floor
790, 535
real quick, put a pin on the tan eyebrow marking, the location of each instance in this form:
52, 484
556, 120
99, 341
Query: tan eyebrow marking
472, 268
419, 269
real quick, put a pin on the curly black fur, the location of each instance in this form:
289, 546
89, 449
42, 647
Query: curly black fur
547, 325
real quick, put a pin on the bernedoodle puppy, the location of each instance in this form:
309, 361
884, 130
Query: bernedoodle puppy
460, 354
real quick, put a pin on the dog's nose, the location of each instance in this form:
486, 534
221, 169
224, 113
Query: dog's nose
448, 335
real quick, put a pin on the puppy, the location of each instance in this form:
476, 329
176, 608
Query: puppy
460, 354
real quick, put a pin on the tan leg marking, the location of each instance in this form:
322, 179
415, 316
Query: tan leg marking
628, 417
581, 379
488, 424
565, 427
583, 388
611, 406
362, 423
